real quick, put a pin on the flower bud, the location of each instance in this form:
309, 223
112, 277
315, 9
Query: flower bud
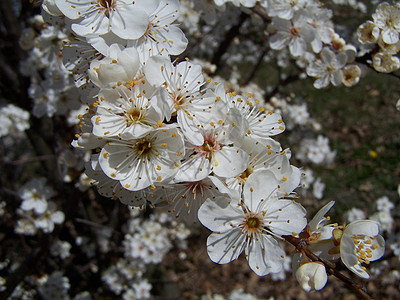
312, 276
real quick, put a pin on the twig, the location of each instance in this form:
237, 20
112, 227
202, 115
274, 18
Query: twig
261, 13
281, 84
302, 246
226, 42
28, 266
31, 159
256, 66
364, 60
192, 46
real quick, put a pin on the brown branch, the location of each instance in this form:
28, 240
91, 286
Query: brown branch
281, 84
256, 66
27, 267
365, 61
32, 159
226, 42
261, 13
302, 246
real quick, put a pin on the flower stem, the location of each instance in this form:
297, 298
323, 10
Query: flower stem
302, 246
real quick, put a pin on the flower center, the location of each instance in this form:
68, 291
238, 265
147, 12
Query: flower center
209, 147
294, 31
178, 99
143, 148
106, 3
246, 173
106, 6
253, 224
133, 116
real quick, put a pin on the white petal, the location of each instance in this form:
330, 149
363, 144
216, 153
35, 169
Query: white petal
259, 187
284, 216
349, 258
265, 255
194, 169
230, 161
225, 247
320, 216
362, 227
129, 22
217, 215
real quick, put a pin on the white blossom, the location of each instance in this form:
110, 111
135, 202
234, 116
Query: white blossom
361, 243
250, 225
128, 20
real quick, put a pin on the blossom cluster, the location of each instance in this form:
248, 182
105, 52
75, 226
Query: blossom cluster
381, 37
36, 211
305, 28
164, 134
160, 132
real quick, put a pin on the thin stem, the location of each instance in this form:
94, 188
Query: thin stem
281, 84
256, 66
226, 42
302, 246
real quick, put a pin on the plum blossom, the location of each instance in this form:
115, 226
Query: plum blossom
296, 33
385, 62
387, 18
185, 99
13, 118
361, 243
250, 225
217, 154
35, 194
141, 162
328, 68
162, 36
126, 19
122, 111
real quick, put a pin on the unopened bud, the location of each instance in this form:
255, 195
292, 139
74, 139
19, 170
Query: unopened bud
311, 276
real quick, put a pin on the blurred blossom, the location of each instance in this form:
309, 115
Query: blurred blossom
355, 214
318, 188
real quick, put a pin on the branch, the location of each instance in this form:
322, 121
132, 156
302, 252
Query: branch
27, 267
226, 42
256, 66
368, 57
281, 84
302, 246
